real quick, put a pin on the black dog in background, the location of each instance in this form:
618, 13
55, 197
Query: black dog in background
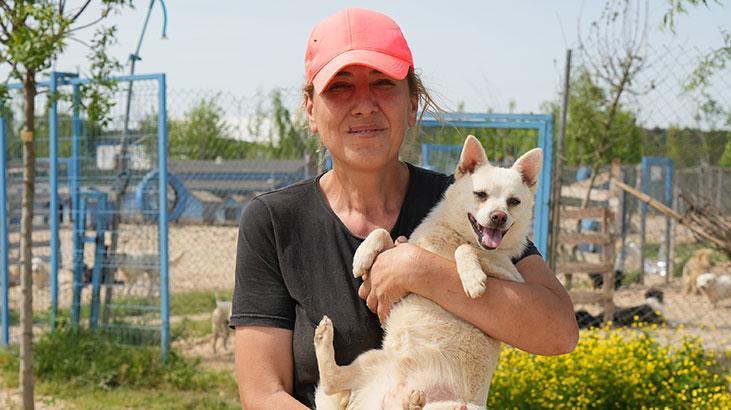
651, 312
597, 279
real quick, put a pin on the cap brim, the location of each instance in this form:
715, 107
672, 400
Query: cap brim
391, 66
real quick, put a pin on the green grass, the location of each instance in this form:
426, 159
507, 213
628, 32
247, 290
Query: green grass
187, 328
92, 370
127, 398
196, 301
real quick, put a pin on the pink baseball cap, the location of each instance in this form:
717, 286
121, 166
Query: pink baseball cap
356, 37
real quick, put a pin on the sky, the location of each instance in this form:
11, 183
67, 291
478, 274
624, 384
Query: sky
483, 54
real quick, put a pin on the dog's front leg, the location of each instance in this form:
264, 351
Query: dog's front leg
470, 271
376, 242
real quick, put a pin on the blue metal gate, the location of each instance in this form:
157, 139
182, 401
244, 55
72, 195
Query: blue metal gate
79, 175
505, 137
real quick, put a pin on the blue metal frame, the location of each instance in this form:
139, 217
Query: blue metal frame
543, 123
4, 277
78, 203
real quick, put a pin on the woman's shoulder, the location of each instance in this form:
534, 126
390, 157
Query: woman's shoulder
427, 180
283, 201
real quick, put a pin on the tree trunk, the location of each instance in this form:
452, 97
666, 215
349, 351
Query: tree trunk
26, 244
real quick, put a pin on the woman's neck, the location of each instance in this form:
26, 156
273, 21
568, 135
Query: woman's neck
365, 200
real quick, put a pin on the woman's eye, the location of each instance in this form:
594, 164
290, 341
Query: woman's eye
383, 83
481, 195
513, 202
338, 86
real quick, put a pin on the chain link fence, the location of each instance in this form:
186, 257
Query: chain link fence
689, 129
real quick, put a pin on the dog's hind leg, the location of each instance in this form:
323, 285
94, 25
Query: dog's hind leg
335, 379
376, 242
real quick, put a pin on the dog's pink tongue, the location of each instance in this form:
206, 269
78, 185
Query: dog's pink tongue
491, 237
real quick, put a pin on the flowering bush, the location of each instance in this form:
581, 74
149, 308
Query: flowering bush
625, 368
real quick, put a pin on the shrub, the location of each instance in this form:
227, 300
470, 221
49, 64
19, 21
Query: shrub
90, 358
623, 368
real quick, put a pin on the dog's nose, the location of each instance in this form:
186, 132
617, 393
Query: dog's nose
498, 217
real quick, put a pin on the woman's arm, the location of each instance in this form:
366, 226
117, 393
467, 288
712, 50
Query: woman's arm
536, 316
265, 368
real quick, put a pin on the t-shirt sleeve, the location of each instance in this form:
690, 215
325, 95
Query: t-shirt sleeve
260, 294
530, 249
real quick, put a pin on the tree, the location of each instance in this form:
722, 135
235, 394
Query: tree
613, 55
32, 35
285, 136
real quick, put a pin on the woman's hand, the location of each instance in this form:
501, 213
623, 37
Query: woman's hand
389, 278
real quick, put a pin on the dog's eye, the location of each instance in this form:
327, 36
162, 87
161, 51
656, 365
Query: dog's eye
513, 202
481, 195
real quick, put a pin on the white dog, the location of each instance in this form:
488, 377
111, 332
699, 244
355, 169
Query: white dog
430, 359
716, 288
219, 322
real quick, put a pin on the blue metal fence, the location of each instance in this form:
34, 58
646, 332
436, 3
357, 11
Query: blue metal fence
532, 131
80, 178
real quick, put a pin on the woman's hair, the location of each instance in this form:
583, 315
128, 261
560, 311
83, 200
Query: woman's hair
416, 87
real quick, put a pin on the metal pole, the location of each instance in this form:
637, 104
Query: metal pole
162, 155
53, 154
4, 244
78, 233
558, 165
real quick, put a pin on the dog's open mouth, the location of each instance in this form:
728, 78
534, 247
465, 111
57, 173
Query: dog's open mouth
489, 238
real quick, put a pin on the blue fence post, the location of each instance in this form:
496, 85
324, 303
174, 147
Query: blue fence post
162, 156
78, 233
4, 245
545, 187
53, 170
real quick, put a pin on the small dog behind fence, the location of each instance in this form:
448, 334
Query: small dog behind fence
219, 322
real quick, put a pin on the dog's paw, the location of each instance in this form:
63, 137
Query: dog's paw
473, 282
375, 243
362, 263
324, 332
416, 400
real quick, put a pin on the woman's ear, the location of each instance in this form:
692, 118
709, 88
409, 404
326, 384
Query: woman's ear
414, 110
309, 108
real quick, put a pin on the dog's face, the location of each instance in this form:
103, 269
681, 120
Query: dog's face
704, 280
497, 203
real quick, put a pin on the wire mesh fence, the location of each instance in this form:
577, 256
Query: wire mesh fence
690, 129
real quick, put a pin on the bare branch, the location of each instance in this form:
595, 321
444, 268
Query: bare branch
81, 10
79, 28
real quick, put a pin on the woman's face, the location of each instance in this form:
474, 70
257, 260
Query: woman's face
362, 117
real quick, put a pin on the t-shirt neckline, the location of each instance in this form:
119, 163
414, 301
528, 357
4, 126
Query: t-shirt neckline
325, 204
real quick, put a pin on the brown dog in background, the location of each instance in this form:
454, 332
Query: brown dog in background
697, 265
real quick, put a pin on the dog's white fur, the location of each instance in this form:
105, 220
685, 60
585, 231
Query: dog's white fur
431, 359
39, 271
219, 322
716, 288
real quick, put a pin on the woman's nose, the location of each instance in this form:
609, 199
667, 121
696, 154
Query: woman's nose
364, 102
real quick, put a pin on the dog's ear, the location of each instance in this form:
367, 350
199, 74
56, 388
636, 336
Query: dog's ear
529, 166
473, 156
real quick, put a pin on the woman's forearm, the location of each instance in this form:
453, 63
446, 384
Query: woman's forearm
536, 316
279, 400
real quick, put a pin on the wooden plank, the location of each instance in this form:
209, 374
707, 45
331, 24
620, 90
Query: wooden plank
587, 213
671, 213
570, 238
587, 296
584, 267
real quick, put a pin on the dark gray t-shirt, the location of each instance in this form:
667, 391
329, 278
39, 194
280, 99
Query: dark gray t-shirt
294, 265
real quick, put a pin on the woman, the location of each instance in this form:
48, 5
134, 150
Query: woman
296, 245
